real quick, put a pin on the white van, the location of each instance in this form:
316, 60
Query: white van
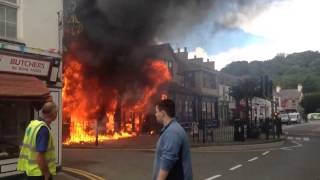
294, 118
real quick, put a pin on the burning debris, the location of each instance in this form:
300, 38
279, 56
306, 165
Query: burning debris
98, 107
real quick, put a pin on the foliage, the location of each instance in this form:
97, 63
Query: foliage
285, 70
246, 88
311, 102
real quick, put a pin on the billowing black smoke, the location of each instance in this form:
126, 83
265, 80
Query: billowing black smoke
117, 34
118, 28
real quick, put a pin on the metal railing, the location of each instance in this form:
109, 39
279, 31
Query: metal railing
208, 133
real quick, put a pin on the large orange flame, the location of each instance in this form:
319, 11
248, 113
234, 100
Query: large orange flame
82, 107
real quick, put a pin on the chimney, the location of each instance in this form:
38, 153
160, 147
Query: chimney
207, 60
300, 87
195, 56
181, 54
213, 64
185, 49
278, 89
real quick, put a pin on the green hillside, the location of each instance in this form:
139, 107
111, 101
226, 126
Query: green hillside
285, 70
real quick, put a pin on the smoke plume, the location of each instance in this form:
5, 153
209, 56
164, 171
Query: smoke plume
117, 34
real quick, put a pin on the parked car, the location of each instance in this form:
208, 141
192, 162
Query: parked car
284, 118
294, 118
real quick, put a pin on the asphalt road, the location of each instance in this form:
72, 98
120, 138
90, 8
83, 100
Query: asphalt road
297, 159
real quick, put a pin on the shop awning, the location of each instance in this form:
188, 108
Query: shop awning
22, 88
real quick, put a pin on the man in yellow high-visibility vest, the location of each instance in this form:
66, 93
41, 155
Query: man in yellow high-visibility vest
37, 155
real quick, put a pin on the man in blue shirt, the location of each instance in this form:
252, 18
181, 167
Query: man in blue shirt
42, 139
172, 158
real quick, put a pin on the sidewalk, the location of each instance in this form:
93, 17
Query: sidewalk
148, 142
249, 145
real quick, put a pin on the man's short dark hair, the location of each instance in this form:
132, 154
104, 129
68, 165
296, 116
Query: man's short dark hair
168, 106
49, 107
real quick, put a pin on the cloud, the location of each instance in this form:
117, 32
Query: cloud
199, 52
287, 27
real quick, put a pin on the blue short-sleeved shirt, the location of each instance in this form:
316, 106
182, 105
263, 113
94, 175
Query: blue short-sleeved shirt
173, 153
42, 139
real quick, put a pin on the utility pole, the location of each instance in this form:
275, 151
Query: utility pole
97, 132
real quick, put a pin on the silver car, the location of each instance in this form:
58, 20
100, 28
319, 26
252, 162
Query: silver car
284, 118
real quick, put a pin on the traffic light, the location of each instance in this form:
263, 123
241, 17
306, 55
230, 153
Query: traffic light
266, 86
270, 89
262, 86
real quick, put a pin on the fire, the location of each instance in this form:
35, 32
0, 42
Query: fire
95, 113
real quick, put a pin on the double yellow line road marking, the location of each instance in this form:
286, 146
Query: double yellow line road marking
86, 174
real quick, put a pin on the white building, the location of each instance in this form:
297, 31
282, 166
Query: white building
261, 108
288, 100
225, 101
30, 70
227, 105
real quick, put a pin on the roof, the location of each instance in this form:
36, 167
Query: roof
191, 65
290, 94
165, 51
157, 51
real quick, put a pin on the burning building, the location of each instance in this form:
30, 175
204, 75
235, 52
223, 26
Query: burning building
110, 83
105, 110
113, 72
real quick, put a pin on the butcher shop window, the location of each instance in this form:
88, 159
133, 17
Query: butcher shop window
14, 117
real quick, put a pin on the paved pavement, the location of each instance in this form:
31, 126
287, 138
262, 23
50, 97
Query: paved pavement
65, 176
295, 162
60, 176
149, 142
295, 159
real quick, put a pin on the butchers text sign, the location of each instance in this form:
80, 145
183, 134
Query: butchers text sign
24, 65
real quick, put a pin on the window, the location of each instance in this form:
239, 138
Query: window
14, 117
203, 106
190, 111
170, 65
190, 81
186, 107
209, 107
209, 81
213, 110
8, 20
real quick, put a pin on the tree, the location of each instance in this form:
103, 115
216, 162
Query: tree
285, 70
311, 102
309, 85
246, 89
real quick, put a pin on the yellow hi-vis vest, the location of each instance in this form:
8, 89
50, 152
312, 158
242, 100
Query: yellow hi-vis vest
28, 155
